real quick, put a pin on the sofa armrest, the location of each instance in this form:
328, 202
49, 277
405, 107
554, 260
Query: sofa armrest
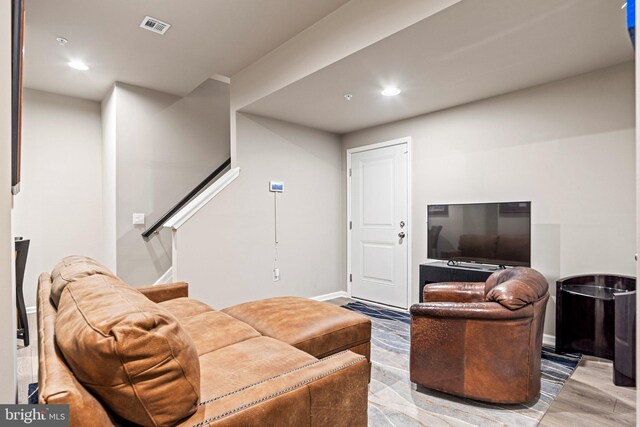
454, 292
328, 392
473, 310
164, 292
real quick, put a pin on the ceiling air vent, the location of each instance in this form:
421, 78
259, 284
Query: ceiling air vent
155, 25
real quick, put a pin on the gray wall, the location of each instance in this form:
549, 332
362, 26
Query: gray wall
165, 145
567, 146
59, 207
226, 251
109, 179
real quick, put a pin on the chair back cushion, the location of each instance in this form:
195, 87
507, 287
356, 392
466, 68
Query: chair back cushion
71, 269
129, 351
516, 287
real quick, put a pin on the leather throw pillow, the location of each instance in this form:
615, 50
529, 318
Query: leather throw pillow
130, 352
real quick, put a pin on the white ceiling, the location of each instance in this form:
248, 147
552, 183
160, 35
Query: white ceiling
470, 51
207, 37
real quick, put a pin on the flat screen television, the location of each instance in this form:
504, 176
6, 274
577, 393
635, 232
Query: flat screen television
483, 233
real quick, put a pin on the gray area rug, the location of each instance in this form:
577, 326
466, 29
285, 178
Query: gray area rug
395, 401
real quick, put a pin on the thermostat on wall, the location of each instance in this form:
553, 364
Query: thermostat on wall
276, 186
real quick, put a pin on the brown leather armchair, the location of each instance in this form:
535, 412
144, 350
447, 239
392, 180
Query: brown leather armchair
481, 340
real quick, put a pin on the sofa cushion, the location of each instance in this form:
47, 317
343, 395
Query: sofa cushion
263, 381
130, 352
213, 330
248, 362
209, 329
183, 308
316, 327
72, 269
516, 287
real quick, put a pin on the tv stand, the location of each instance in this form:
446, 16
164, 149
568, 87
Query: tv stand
436, 272
475, 266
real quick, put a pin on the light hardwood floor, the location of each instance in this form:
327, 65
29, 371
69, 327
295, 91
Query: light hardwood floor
28, 360
588, 398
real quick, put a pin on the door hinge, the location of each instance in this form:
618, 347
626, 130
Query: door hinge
349, 171
350, 277
350, 225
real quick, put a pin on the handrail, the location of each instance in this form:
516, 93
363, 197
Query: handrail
146, 234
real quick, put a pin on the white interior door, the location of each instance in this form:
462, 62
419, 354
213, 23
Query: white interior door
379, 225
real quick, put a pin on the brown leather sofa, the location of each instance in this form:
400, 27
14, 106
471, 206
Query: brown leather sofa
120, 355
481, 340
503, 249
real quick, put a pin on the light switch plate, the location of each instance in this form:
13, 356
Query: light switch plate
276, 274
138, 219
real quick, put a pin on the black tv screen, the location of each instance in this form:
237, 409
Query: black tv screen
484, 233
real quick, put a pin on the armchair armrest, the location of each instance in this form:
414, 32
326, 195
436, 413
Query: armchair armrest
454, 292
164, 292
474, 310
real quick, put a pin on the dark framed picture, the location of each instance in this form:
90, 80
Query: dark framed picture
515, 208
17, 48
438, 210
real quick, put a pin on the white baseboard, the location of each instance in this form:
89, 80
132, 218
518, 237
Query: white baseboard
549, 340
31, 310
332, 295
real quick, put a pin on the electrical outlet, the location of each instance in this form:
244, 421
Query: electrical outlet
276, 274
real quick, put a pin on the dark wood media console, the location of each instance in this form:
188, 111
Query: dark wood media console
436, 272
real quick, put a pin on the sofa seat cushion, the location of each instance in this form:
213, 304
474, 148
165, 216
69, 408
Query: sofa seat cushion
72, 269
318, 328
130, 352
213, 330
183, 308
239, 365
209, 329
263, 381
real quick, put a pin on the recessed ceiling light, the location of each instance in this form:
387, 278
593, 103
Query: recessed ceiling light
78, 65
390, 91
62, 41
348, 96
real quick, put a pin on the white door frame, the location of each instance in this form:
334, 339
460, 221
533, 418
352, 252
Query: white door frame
350, 151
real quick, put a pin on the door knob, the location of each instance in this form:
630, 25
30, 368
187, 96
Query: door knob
401, 234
